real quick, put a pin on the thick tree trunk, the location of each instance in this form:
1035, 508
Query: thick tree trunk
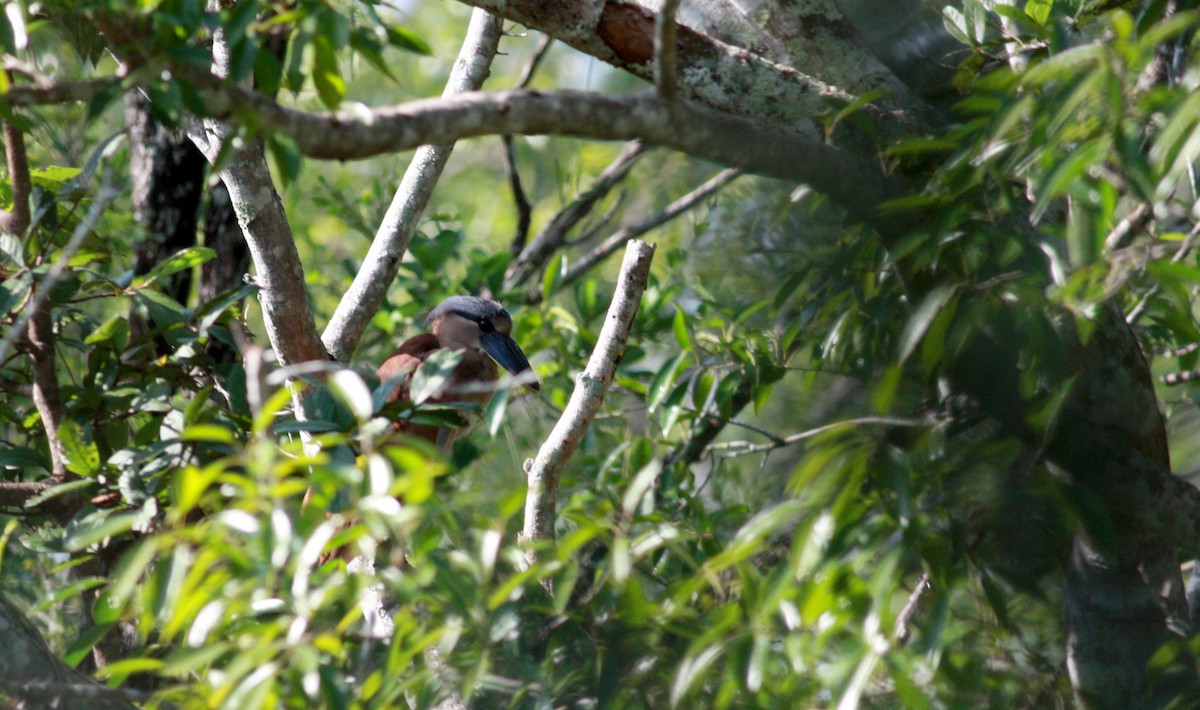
31, 676
167, 175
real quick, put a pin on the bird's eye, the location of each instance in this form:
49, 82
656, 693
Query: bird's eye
485, 325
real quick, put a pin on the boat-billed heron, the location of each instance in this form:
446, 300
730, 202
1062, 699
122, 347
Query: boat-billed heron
480, 328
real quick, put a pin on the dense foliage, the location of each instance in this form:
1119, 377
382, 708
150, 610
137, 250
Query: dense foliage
782, 504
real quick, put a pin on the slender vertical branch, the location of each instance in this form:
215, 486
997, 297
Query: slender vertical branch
16, 221
287, 314
382, 262
591, 385
520, 201
535, 61
666, 50
37, 319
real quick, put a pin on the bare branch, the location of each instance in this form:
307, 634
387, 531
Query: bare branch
534, 62
745, 449
798, 153
666, 50
62, 92
673, 210
511, 171
755, 146
379, 268
520, 201
284, 296
30, 671
900, 630
554, 235
16, 221
545, 470
1128, 228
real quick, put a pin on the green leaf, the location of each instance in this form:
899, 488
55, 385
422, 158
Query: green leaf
82, 646
955, 23
53, 177
115, 331
1039, 10
325, 72
165, 310
350, 389
100, 528
679, 326
433, 376
60, 489
1060, 177
22, 457
553, 274
83, 458
922, 316
406, 39
181, 260
665, 380
287, 156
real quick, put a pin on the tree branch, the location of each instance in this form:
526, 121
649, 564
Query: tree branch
545, 470
673, 210
520, 201
379, 268
666, 50
284, 297
766, 149
798, 154
721, 75
30, 671
790, 439
16, 221
553, 236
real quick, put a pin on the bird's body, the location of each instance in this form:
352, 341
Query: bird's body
477, 327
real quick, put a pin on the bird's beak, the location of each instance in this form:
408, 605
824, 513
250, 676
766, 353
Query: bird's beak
505, 351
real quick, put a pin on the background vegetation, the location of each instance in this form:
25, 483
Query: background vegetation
800, 490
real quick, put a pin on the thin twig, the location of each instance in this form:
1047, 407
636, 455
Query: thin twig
901, 629
534, 61
520, 201
1180, 378
666, 50
50, 694
546, 469
673, 210
1184, 249
1128, 228
553, 236
801, 436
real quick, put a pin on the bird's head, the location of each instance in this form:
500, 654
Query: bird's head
481, 324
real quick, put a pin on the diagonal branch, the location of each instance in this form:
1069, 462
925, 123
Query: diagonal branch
546, 469
379, 268
521, 202
673, 210
553, 236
